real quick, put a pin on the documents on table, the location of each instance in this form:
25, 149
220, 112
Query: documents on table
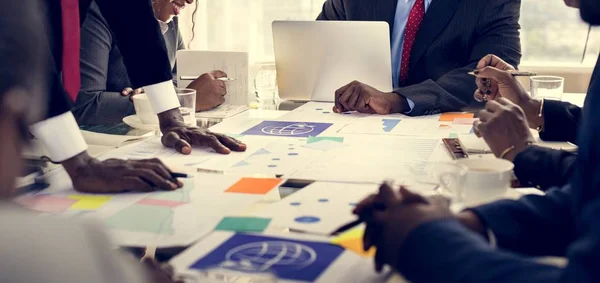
223, 111
162, 218
320, 207
274, 258
195, 63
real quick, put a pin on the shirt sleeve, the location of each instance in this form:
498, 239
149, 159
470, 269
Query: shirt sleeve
61, 136
162, 96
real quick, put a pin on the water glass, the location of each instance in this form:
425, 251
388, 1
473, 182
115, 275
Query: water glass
187, 99
265, 87
547, 87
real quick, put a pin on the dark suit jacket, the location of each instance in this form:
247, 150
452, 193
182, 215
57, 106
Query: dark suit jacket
137, 34
454, 36
103, 72
543, 167
564, 222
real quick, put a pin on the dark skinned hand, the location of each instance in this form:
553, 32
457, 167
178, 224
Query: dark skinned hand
181, 137
387, 229
160, 273
210, 92
129, 92
362, 98
90, 175
502, 124
495, 81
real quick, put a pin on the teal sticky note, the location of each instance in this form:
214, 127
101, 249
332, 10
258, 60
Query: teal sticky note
318, 139
453, 136
243, 224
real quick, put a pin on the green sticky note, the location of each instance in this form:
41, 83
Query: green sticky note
453, 136
318, 139
243, 224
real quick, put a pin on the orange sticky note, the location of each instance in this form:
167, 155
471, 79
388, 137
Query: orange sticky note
254, 186
450, 116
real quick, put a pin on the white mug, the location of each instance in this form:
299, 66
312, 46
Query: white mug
143, 109
487, 179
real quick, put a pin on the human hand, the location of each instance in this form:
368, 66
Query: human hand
210, 92
90, 175
502, 124
181, 137
494, 80
573, 3
362, 98
160, 273
388, 229
131, 92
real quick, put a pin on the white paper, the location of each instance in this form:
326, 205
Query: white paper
164, 219
195, 63
402, 125
348, 267
320, 112
330, 203
223, 111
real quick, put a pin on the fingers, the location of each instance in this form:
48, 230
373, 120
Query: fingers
231, 143
126, 91
173, 140
492, 106
494, 61
160, 168
484, 116
477, 127
494, 74
410, 197
440, 201
208, 140
218, 74
136, 184
346, 96
387, 195
478, 96
338, 107
153, 179
138, 91
365, 204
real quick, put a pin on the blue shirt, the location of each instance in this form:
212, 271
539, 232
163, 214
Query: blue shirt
402, 12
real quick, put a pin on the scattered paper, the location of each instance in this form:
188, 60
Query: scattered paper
223, 111
254, 186
352, 240
243, 224
287, 129
451, 116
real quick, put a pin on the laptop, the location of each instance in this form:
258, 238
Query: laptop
315, 58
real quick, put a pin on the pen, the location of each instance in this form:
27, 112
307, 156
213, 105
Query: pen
364, 217
178, 175
513, 73
225, 79
191, 78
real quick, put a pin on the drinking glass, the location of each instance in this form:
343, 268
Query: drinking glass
265, 87
547, 87
187, 99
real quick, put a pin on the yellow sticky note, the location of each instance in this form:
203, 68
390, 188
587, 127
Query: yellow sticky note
89, 202
352, 241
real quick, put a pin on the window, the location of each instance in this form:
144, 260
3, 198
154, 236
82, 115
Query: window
551, 33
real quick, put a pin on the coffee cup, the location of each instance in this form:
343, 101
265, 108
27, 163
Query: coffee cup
143, 109
486, 180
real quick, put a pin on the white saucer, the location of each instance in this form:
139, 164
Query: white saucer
135, 122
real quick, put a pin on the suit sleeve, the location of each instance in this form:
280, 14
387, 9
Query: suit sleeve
544, 168
457, 255
561, 121
96, 105
333, 10
138, 37
497, 33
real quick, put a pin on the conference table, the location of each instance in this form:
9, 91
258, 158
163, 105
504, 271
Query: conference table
259, 114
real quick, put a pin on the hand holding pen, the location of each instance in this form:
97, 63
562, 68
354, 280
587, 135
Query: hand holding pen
390, 217
496, 78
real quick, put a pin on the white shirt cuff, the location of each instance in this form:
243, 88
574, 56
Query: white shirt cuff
162, 96
411, 105
61, 136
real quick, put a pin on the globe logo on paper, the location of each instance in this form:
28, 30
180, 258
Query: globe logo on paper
289, 130
262, 256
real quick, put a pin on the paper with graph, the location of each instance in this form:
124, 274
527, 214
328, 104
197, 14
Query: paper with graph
163, 219
191, 64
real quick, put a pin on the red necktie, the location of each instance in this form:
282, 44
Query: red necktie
410, 34
70, 47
